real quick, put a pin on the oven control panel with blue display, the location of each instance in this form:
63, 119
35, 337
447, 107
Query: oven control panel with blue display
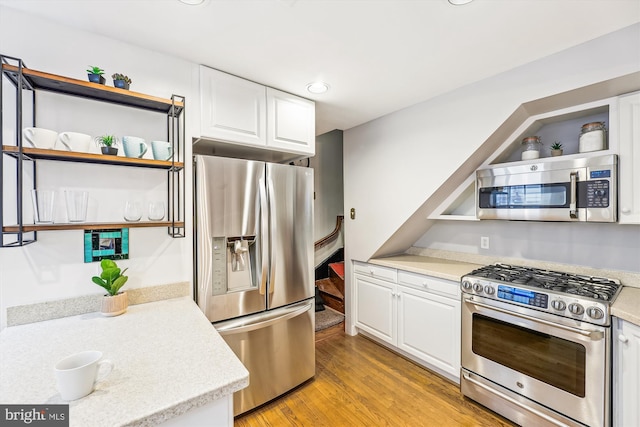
523, 296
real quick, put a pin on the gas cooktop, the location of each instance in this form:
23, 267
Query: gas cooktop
570, 295
586, 286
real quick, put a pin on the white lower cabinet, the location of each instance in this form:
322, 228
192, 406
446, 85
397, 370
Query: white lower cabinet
626, 373
416, 314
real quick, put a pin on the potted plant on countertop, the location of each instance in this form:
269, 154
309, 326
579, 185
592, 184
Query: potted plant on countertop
114, 302
556, 149
107, 144
121, 81
95, 75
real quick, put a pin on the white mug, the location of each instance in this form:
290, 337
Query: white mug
74, 141
134, 146
77, 374
40, 137
161, 150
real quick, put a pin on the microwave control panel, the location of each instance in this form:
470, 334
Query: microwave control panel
598, 194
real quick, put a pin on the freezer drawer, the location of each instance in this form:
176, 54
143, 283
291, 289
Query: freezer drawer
277, 348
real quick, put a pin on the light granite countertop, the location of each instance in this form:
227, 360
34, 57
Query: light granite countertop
454, 265
168, 360
430, 266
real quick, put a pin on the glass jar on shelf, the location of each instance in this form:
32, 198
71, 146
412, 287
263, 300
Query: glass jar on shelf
592, 137
531, 147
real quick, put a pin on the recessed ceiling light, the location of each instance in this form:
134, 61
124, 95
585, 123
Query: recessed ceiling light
317, 87
459, 2
192, 2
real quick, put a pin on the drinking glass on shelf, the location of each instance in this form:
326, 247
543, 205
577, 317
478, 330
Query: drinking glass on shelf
76, 205
132, 210
43, 204
156, 211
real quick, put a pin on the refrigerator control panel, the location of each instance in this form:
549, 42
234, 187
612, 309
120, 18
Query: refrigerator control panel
219, 264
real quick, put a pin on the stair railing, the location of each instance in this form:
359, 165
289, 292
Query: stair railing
331, 236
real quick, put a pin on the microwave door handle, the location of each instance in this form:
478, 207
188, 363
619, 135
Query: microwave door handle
586, 333
573, 211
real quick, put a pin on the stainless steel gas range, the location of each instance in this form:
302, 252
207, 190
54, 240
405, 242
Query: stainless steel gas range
536, 345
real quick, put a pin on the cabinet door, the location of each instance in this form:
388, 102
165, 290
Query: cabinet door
291, 123
629, 160
232, 109
429, 328
375, 307
626, 374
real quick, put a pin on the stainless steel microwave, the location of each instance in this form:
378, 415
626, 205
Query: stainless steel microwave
581, 189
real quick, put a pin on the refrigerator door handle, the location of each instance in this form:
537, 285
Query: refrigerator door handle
264, 239
261, 321
274, 232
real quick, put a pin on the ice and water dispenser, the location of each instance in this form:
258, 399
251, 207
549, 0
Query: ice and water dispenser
233, 264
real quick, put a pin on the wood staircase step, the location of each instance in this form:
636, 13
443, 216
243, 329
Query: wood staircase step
337, 268
331, 295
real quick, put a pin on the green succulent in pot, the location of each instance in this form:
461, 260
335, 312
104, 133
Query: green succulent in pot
111, 278
556, 146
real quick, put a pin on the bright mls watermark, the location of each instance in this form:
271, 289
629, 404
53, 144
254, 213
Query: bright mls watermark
34, 415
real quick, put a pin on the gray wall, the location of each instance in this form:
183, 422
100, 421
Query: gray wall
606, 246
327, 165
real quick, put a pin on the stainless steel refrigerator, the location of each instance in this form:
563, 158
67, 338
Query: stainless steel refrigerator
254, 268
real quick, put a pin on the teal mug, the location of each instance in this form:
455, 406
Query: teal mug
134, 146
162, 150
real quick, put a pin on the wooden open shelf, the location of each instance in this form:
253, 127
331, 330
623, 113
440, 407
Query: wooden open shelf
74, 156
86, 89
89, 226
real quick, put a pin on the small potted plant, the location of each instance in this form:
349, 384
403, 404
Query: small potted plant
121, 81
95, 75
107, 144
556, 149
112, 280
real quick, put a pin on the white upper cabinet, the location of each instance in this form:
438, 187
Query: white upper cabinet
629, 160
232, 109
256, 119
291, 122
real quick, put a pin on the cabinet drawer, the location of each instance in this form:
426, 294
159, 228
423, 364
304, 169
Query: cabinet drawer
370, 270
429, 284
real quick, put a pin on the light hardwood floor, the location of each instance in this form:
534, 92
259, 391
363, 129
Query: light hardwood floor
360, 383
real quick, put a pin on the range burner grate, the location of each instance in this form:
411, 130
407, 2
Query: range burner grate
587, 286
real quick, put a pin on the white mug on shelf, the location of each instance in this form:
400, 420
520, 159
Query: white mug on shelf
75, 141
39, 138
162, 150
77, 375
134, 146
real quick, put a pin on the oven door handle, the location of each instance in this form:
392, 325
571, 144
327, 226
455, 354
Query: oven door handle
587, 333
513, 401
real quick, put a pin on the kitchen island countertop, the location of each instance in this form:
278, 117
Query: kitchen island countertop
168, 360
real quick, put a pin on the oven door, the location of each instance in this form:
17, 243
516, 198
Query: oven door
557, 362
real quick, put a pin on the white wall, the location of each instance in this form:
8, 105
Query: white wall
53, 267
394, 163
329, 195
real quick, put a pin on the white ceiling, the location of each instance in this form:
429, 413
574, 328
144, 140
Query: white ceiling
378, 55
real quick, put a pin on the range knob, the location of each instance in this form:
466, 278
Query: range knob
575, 308
558, 305
595, 313
489, 290
466, 285
477, 287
